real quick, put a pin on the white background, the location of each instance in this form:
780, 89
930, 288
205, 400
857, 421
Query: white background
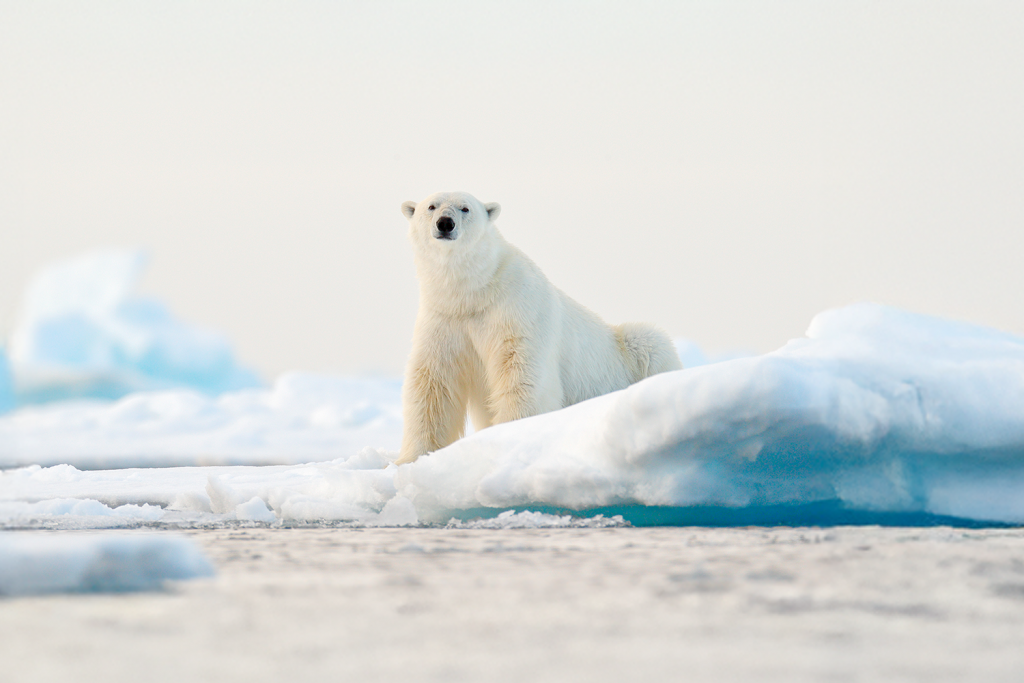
723, 169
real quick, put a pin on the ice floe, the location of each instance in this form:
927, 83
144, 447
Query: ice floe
34, 563
876, 415
876, 409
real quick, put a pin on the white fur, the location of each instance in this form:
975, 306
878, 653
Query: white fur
495, 335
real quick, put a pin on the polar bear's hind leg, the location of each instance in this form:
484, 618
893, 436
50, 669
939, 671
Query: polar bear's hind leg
646, 350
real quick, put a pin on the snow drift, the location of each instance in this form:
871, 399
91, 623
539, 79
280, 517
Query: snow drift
83, 332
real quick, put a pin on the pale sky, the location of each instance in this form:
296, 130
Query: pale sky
725, 170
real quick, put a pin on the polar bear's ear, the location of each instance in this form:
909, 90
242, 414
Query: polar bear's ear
409, 208
493, 209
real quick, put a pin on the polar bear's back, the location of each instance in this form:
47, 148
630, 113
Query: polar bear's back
591, 359
597, 359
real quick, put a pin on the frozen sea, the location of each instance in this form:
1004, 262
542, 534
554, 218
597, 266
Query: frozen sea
847, 507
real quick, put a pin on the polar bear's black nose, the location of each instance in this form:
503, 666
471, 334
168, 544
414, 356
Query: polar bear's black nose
445, 225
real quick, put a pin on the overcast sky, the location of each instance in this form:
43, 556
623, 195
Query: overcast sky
725, 170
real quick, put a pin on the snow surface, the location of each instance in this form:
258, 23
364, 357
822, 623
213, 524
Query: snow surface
32, 564
83, 332
877, 411
782, 605
301, 418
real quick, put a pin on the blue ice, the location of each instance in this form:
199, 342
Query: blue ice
6, 385
84, 332
33, 564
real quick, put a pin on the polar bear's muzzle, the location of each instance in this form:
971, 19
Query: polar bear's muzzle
445, 226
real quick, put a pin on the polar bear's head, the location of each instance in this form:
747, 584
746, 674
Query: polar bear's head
449, 221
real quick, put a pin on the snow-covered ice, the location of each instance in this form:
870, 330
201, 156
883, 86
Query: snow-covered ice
76, 513
359, 489
84, 332
877, 411
300, 418
33, 563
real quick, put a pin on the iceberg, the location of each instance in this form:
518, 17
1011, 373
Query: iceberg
83, 332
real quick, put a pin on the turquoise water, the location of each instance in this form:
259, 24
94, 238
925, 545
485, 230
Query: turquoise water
820, 514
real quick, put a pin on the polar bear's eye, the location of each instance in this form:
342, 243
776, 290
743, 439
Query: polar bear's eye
430, 208
465, 210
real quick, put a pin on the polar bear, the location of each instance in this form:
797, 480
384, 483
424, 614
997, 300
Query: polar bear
492, 332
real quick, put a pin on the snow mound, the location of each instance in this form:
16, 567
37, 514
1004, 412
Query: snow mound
33, 564
84, 333
300, 419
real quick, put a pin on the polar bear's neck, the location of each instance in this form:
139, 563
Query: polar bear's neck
461, 281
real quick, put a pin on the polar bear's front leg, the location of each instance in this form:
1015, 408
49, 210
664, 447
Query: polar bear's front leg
434, 394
